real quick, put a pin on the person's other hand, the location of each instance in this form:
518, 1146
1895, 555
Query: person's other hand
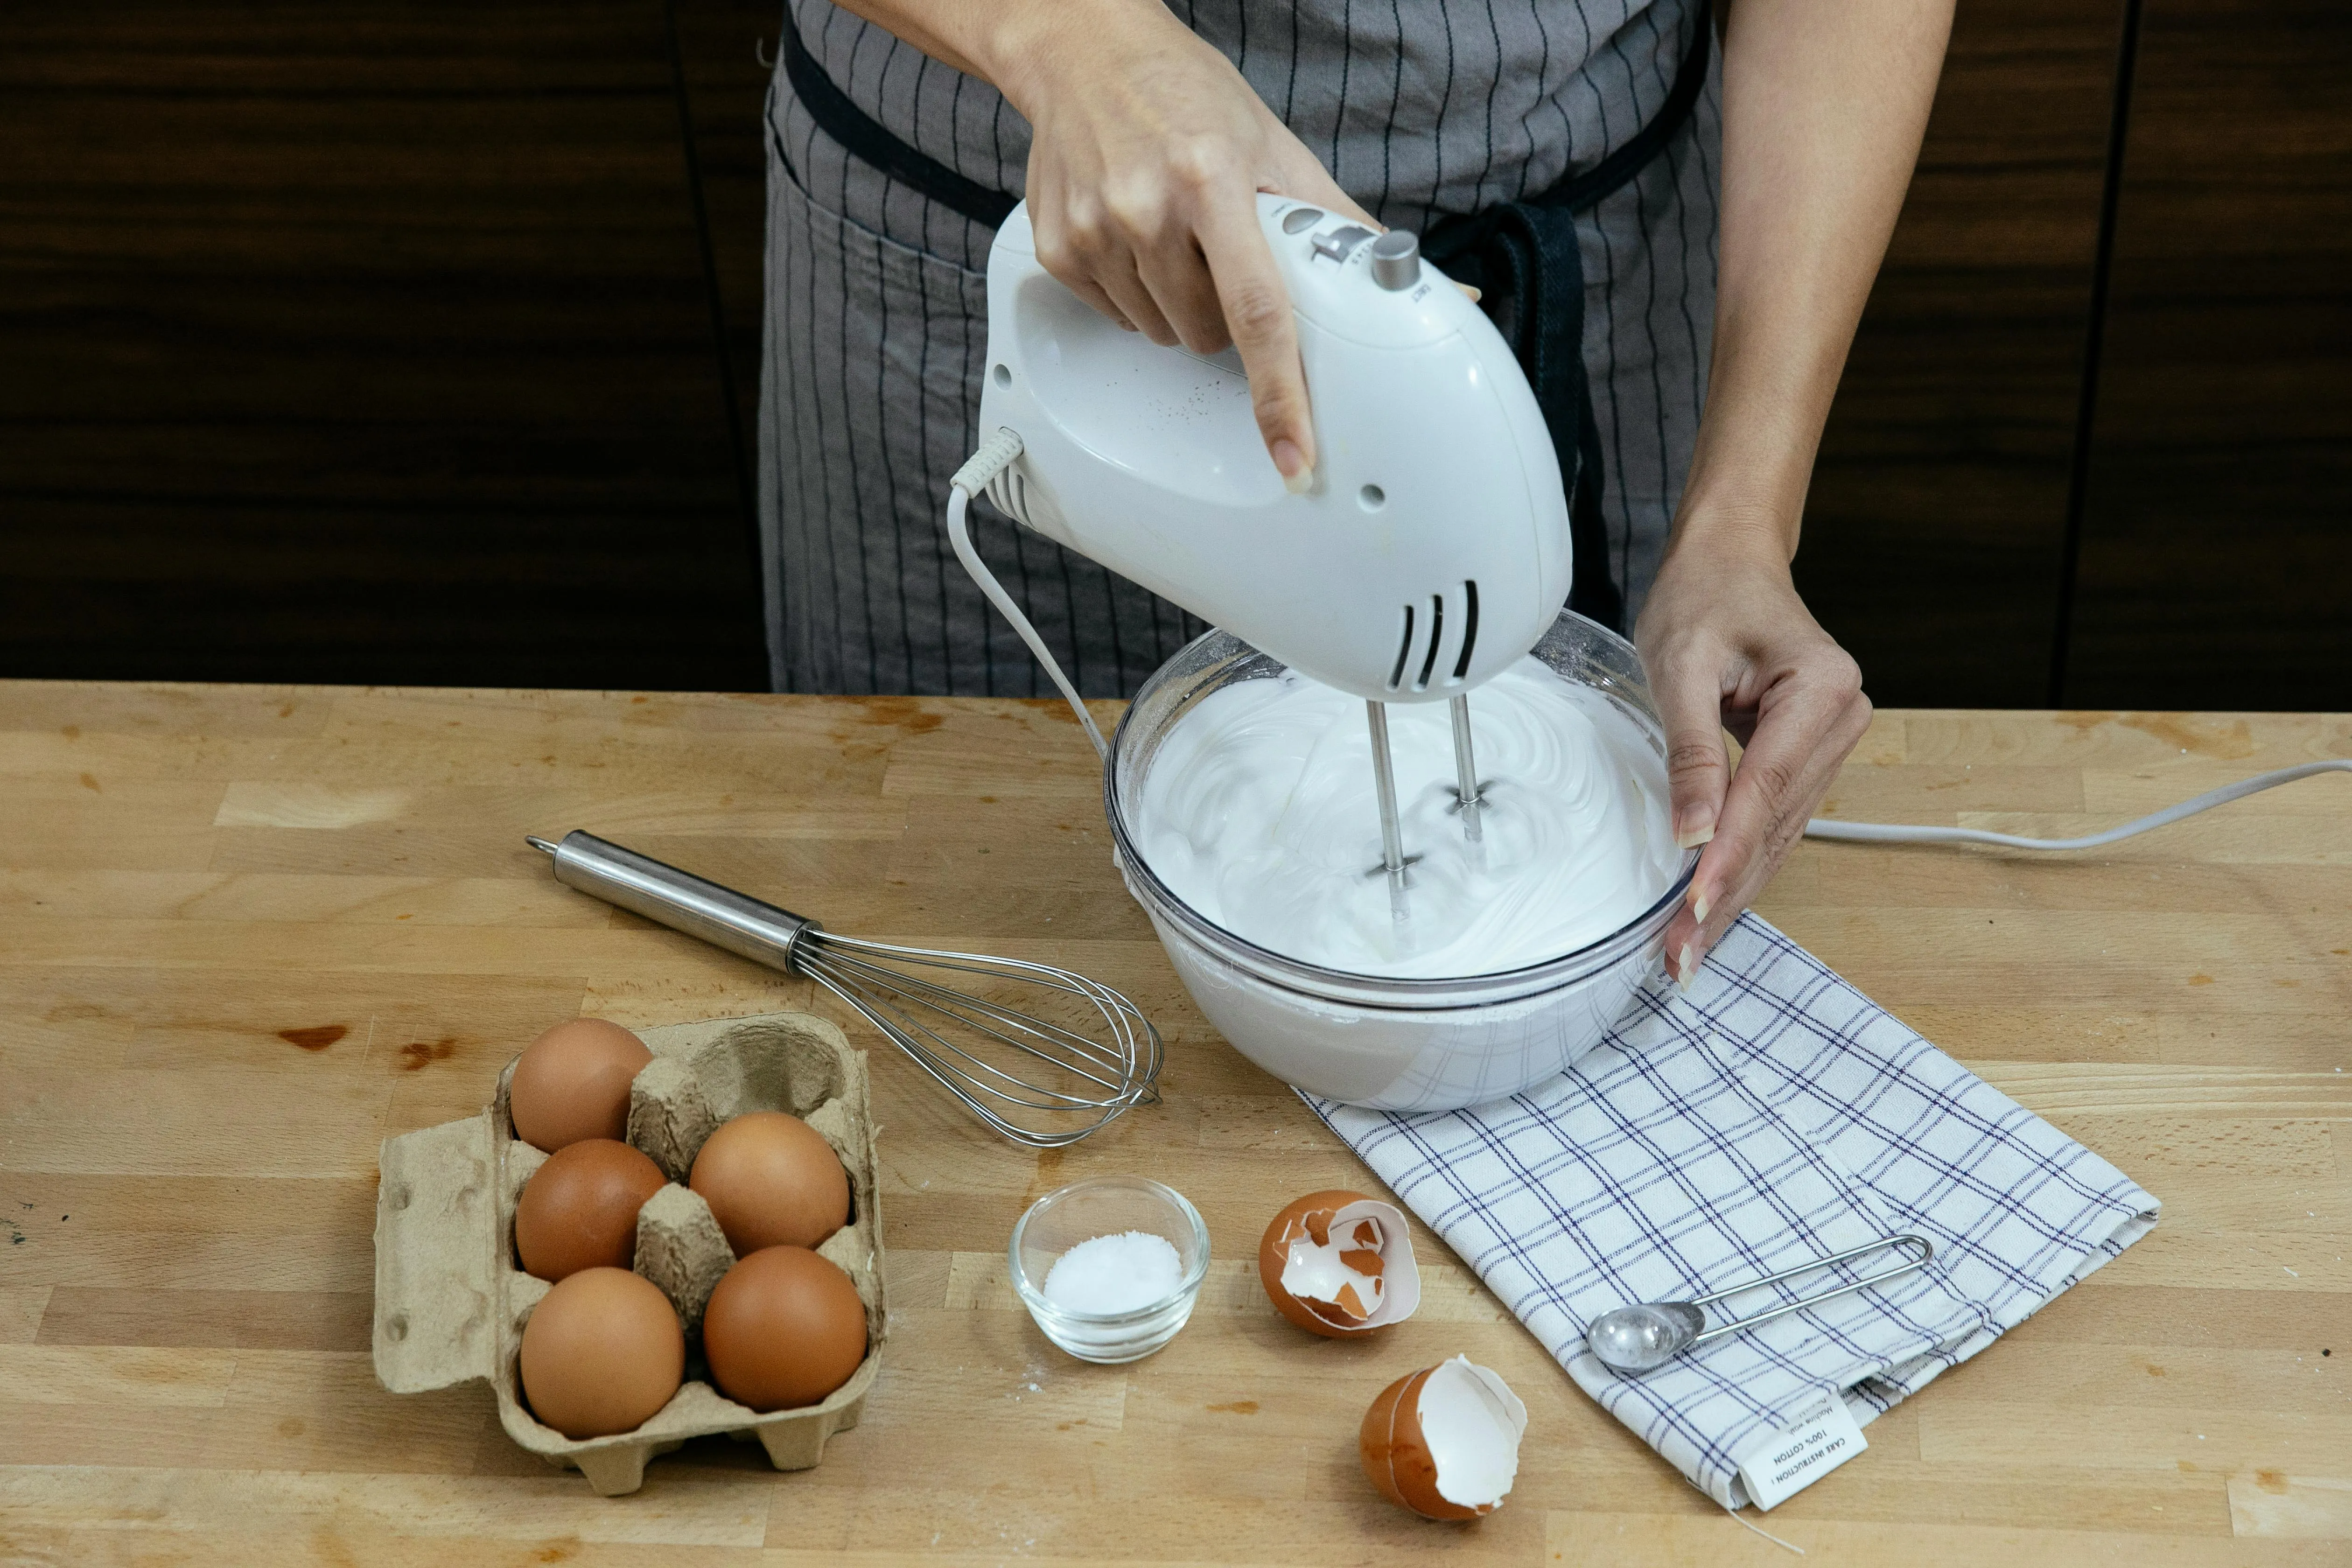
1149, 153
1730, 646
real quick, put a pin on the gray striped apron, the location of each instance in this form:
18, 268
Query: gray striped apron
877, 326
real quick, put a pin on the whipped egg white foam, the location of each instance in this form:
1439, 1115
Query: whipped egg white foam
1258, 813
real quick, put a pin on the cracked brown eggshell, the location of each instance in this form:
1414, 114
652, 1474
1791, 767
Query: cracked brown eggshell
1444, 1441
1338, 1263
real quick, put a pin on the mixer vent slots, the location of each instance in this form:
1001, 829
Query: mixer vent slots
1424, 634
1469, 631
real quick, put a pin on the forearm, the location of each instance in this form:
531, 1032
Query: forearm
1002, 42
1824, 102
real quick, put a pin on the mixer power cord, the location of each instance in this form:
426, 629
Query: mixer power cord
1902, 833
995, 454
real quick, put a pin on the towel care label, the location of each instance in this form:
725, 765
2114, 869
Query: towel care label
1813, 1444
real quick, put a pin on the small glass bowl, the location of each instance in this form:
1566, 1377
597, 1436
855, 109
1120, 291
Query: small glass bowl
1108, 1206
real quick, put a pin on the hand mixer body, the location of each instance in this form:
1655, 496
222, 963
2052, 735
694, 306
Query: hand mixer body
1433, 549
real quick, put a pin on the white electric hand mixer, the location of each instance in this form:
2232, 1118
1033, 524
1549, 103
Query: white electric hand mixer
1432, 549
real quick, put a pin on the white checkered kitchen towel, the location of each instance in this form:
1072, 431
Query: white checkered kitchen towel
1772, 1114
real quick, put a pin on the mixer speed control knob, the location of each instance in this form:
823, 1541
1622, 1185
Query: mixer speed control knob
1396, 260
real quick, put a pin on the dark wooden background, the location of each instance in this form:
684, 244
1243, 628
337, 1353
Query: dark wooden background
385, 342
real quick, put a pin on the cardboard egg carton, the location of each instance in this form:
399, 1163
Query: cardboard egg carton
451, 1299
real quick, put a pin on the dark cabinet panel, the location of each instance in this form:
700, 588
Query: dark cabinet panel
1934, 534
2216, 565
359, 342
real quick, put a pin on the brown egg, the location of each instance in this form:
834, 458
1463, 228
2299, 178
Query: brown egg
771, 1180
603, 1351
1445, 1442
785, 1329
580, 1209
1338, 1263
572, 1082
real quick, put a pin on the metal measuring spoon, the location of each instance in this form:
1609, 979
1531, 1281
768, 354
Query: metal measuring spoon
1641, 1338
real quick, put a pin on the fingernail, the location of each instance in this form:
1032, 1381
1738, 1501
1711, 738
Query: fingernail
1699, 907
1296, 477
1696, 827
1686, 967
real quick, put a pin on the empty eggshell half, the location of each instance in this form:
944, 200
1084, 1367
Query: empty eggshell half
1445, 1442
1339, 1263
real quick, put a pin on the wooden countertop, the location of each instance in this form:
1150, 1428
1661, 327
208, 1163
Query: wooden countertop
247, 933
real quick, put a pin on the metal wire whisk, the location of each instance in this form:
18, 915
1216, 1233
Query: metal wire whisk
966, 1042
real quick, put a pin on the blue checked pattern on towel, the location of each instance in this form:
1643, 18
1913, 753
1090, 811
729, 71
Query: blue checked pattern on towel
1772, 1114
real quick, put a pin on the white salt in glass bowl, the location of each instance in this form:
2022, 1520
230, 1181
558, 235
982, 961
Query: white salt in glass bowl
1108, 1206
1372, 1040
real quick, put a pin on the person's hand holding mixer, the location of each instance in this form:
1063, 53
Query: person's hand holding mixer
1147, 155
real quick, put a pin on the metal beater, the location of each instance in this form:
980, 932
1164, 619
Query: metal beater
1394, 860
1080, 1074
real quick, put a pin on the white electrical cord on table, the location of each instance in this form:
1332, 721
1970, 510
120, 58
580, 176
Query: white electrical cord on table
994, 454
1899, 833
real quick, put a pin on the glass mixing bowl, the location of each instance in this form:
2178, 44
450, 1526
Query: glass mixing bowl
1371, 1040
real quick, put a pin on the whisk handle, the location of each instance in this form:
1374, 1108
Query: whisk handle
679, 899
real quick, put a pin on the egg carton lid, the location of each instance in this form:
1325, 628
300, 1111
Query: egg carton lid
450, 1304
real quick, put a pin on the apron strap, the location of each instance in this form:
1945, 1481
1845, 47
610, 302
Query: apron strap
1524, 258
869, 142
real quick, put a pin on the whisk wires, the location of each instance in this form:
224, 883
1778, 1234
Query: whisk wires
1089, 1076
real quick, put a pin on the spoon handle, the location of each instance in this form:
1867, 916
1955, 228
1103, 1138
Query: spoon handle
1926, 1253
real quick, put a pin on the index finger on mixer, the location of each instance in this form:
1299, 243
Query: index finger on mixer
1257, 315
